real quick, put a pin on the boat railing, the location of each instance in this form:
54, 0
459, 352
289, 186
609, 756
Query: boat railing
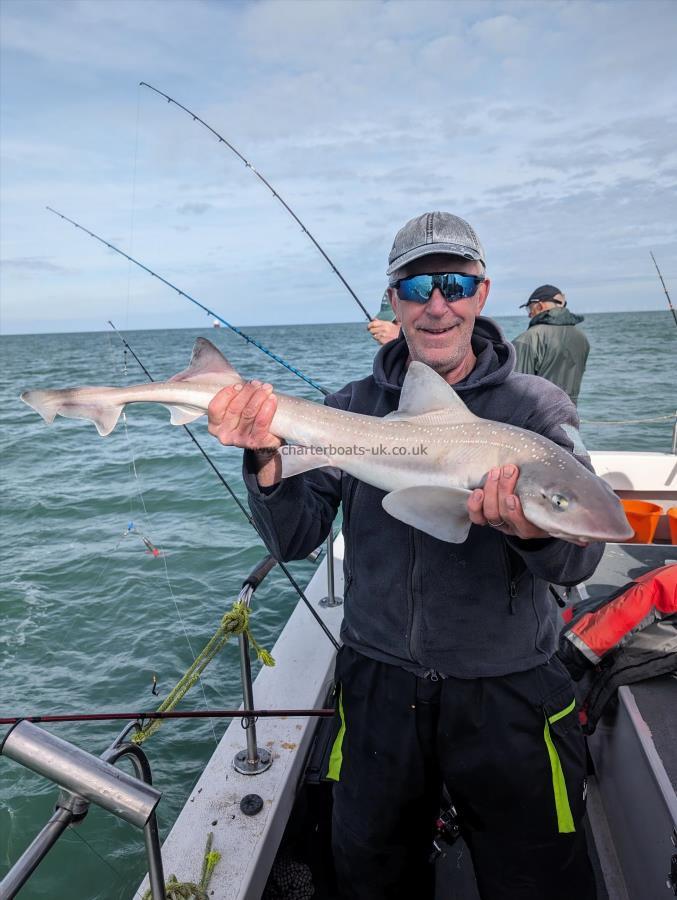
84, 779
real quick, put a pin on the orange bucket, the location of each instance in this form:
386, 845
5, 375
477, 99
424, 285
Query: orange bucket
643, 518
672, 522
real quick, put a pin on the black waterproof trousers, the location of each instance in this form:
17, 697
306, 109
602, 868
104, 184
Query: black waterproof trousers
511, 754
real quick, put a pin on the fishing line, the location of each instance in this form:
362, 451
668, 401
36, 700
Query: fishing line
74, 831
275, 194
665, 418
148, 544
243, 509
248, 338
164, 562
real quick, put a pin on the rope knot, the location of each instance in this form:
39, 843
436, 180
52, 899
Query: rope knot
234, 622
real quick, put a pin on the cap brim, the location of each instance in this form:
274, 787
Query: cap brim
430, 250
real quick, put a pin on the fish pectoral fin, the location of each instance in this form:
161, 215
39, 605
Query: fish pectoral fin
439, 511
181, 415
297, 459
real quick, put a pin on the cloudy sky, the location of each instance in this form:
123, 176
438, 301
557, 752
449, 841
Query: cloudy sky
551, 126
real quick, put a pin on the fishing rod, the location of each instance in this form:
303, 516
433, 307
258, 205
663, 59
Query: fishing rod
250, 340
275, 194
186, 714
242, 507
672, 309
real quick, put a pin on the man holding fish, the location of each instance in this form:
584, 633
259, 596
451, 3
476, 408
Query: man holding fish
463, 501
447, 674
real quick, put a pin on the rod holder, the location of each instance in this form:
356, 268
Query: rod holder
84, 778
81, 773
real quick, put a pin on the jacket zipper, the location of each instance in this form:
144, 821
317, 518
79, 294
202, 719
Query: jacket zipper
513, 581
346, 526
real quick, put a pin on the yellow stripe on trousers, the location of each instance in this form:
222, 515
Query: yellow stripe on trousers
565, 821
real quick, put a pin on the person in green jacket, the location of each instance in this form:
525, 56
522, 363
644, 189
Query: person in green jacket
552, 346
384, 327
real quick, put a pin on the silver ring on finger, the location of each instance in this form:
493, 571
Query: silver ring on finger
495, 524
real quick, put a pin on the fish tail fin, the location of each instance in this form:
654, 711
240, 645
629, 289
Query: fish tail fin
50, 404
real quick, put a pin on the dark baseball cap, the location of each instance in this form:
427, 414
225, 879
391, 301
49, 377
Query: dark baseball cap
544, 292
433, 232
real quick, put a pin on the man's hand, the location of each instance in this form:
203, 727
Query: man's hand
240, 416
383, 331
497, 505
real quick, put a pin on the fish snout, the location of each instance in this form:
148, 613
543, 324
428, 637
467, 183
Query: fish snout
594, 513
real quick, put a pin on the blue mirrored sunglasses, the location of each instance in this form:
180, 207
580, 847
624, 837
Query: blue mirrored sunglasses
452, 285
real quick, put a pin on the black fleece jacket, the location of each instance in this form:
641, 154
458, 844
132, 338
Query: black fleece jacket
481, 608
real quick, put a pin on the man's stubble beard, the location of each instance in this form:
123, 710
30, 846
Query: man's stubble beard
458, 353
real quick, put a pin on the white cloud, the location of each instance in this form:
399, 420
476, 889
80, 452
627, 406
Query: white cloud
504, 34
550, 125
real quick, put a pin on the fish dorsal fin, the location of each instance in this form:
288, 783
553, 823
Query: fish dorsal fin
208, 364
425, 393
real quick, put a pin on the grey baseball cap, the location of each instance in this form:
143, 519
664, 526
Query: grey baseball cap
433, 232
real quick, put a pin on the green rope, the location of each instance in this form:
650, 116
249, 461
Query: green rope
234, 622
188, 890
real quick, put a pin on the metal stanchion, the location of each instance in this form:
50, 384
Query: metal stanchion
253, 759
332, 599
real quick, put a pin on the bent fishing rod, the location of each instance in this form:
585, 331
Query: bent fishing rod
672, 309
248, 338
186, 714
242, 507
275, 194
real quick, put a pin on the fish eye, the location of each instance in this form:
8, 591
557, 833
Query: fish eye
559, 501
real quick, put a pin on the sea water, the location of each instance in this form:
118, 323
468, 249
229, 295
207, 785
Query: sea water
88, 616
